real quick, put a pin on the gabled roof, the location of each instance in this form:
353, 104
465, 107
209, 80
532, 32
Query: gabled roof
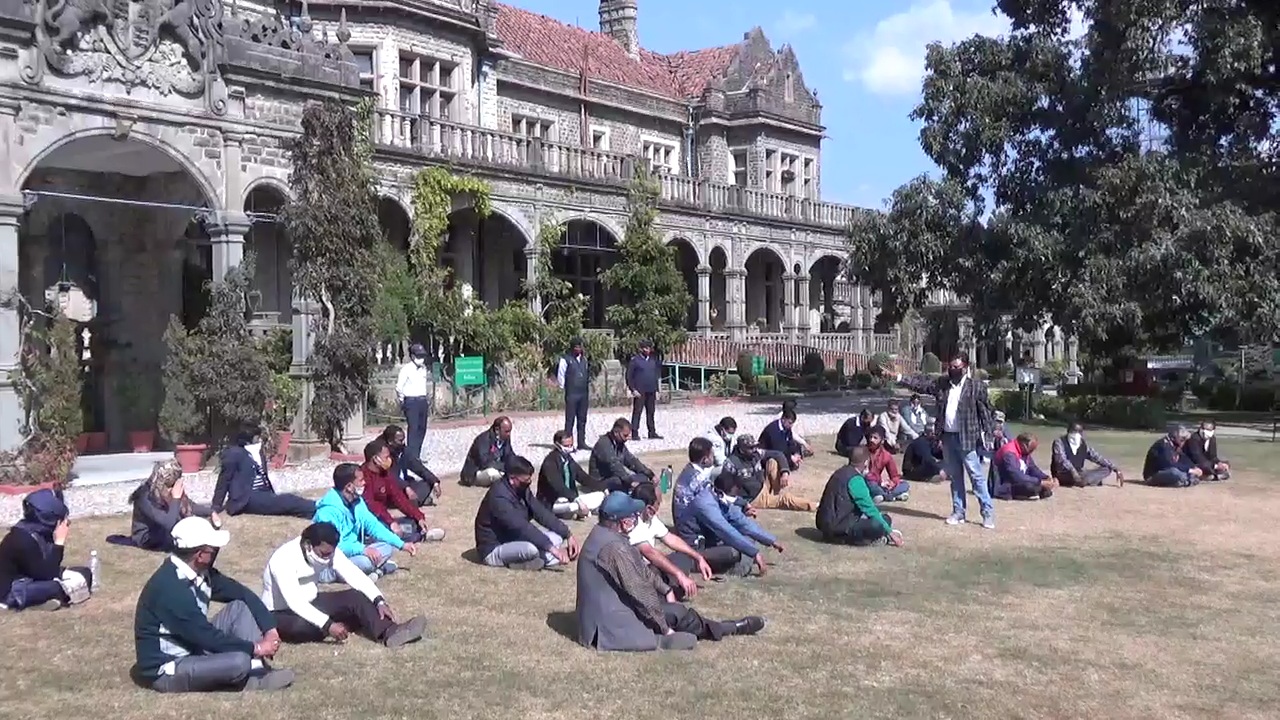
546, 41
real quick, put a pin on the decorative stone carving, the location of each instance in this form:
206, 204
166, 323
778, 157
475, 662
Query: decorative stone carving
172, 46
276, 32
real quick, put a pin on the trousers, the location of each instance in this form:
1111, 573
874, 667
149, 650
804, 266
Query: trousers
575, 413
349, 607
219, 671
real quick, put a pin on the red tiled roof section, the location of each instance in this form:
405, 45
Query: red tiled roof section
547, 41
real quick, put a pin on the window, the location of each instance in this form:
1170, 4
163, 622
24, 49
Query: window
809, 178
660, 153
789, 88
366, 63
532, 127
427, 87
788, 166
771, 171
738, 159
600, 138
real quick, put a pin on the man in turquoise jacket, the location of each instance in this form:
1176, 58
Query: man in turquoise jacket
362, 536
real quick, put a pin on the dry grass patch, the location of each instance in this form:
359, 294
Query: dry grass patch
1115, 603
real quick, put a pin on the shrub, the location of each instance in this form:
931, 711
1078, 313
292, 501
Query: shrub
862, 380
49, 385
745, 370
878, 364
813, 365
1253, 397
180, 418
767, 385
1118, 411
930, 364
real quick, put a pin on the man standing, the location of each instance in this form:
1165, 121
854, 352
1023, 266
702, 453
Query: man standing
411, 390
642, 382
965, 423
574, 376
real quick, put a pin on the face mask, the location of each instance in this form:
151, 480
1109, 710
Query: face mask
254, 449
1207, 434
419, 362
313, 558
1074, 438
711, 461
566, 449
357, 490
626, 526
955, 374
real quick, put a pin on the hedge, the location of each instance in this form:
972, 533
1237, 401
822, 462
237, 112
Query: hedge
1119, 411
1254, 397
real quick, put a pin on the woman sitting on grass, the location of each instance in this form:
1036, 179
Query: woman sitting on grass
159, 503
31, 571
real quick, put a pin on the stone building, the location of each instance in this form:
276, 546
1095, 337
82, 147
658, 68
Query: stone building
144, 153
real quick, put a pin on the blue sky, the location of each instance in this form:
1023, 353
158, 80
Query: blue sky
864, 57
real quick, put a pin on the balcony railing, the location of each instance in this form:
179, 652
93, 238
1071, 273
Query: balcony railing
481, 147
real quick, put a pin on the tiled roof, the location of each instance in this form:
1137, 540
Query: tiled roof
547, 41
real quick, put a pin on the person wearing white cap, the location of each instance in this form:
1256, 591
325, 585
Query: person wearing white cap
179, 649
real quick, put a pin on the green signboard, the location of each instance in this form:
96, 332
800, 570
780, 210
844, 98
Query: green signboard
757, 365
468, 371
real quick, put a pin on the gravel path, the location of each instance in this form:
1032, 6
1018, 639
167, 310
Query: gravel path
445, 449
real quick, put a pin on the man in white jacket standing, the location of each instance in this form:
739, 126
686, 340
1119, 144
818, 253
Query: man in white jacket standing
303, 614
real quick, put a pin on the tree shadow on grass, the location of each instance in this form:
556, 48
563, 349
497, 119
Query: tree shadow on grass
564, 623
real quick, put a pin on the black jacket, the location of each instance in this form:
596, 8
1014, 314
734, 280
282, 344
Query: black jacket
551, 485
236, 473
1202, 452
485, 454
507, 515
919, 461
642, 373
612, 466
852, 434
836, 508
779, 439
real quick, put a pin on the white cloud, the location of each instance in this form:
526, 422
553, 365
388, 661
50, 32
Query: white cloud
889, 60
793, 23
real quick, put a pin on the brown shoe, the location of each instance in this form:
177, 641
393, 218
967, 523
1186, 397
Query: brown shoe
405, 632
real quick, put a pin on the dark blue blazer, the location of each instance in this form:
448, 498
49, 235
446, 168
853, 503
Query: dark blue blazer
236, 473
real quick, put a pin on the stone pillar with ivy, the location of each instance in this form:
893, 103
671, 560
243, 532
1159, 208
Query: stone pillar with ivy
532, 256
11, 210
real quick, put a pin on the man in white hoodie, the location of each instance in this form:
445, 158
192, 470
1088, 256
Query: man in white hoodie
303, 614
721, 438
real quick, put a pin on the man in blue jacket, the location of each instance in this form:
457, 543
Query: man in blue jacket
344, 508
698, 511
642, 382
1167, 464
244, 485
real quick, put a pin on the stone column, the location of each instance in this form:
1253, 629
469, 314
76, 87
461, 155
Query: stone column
227, 240
11, 210
531, 258
789, 305
803, 308
736, 287
966, 335
704, 299
1037, 345
868, 318
1073, 353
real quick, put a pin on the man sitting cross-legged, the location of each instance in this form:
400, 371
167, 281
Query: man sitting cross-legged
883, 479
303, 614
1168, 464
179, 649
612, 464
1202, 450
703, 520
505, 532
678, 567
622, 605
779, 437
361, 536
382, 492
855, 431
488, 455
1014, 473
922, 458
1068, 456
847, 514
563, 485
419, 483
763, 476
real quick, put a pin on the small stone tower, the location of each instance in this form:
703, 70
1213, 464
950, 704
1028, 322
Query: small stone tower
618, 20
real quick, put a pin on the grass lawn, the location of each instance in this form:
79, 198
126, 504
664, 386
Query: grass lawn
1116, 603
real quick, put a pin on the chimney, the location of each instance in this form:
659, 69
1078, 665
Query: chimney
618, 21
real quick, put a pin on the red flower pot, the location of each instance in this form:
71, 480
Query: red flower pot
91, 442
142, 441
190, 457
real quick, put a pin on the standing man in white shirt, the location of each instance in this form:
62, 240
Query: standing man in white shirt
304, 614
412, 388
573, 373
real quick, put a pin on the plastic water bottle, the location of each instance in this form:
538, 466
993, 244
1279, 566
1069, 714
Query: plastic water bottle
664, 482
95, 569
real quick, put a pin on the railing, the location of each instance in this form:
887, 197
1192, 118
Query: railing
467, 144
942, 298
886, 343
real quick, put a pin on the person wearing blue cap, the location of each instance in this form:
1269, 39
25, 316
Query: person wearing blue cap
623, 605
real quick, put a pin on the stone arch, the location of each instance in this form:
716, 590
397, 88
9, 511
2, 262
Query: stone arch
688, 261
487, 254
182, 160
277, 185
396, 221
824, 273
517, 218
272, 251
718, 261
604, 222
671, 237
765, 268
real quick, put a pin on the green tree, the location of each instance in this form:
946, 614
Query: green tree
1126, 172
332, 221
655, 300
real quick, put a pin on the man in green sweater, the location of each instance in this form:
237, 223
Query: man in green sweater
847, 514
179, 648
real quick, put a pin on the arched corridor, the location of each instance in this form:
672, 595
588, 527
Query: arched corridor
719, 290
765, 288
586, 250
272, 277
487, 255
822, 313
687, 263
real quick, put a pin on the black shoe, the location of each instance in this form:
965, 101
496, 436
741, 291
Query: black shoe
748, 625
534, 564
405, 632
655, 436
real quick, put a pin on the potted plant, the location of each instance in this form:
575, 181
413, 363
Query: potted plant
136, 406
286, 394
181, 420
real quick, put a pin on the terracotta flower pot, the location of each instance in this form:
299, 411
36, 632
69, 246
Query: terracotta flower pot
26, 489
190, 457
142, 441
91, 442
283, 439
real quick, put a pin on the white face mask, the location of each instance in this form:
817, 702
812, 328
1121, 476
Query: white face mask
1207, 434
1074, 438
566, 449
419, 362
315, 560
254, 449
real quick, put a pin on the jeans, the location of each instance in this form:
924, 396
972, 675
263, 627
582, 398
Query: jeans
902, 488
362, 563
218, 671
1172, 477
520, 551
646, 402
575, 411
416, 410
749, 527
958, 461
